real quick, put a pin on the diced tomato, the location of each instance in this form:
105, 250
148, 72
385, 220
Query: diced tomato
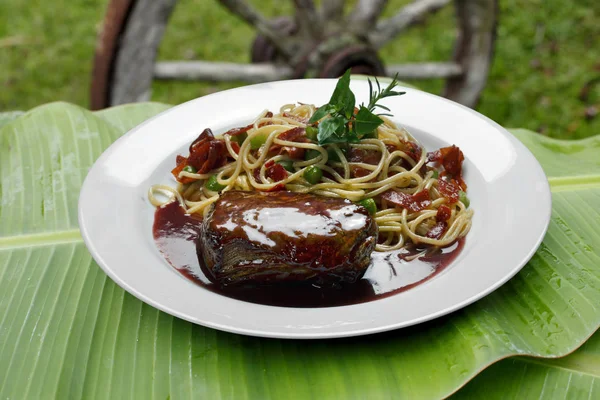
293, 135
415, 203
443, 213
205, 136
422, 197
438, 230
295, 118
391, 147
265, 123
256, 174
356, 155
434, 156
449, 188
358, 172
235, 147
294, 152
413, 150
238, 131
275, 171
208, 156
298, 135
364, 156
175, 171
452, 159
181, 164
244, 129
207, 153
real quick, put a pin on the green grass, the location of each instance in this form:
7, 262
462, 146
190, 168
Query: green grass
547, 50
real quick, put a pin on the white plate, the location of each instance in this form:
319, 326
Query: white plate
507, 188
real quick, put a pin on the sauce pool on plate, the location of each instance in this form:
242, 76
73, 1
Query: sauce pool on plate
176, 235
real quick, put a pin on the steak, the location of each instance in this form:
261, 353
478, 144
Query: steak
259, 237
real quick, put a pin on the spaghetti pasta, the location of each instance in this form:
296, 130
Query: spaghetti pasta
416, 196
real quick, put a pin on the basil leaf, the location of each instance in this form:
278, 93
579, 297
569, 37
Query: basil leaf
342, 98
365, 121
332, 130
321, 112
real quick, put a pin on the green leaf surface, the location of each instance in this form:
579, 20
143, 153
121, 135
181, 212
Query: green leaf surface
566, 163
365, 121
576, 376
342, 99
332, 130
67, 331
6, 117
130, 115
321, 112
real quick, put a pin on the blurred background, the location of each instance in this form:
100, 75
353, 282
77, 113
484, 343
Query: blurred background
545, 74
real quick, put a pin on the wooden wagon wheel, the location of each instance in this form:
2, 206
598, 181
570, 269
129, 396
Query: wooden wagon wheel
313, 43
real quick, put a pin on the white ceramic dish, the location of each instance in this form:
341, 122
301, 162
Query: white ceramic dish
507, 188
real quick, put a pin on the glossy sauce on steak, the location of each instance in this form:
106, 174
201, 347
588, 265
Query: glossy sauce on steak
263, 237
177, 234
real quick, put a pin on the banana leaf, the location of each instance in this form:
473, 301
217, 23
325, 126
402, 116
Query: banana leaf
6, 117
576, 376
67, 331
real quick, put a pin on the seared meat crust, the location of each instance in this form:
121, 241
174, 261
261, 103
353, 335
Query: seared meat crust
282, 236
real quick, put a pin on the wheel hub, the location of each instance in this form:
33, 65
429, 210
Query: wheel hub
262, 49
328, 57
358, 58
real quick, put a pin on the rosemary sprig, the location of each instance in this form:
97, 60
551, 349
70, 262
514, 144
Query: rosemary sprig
376, 95
337, 121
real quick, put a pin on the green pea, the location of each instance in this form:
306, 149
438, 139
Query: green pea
462, 196
313, 174
213, 185
190, 169
435, 174
257, 141
287, 164
369, 204
312, 132
311, 153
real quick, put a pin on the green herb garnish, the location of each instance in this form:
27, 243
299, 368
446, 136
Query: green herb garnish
339, 124
462, 196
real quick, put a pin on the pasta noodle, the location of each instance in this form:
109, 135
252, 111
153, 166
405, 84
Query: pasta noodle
394, 162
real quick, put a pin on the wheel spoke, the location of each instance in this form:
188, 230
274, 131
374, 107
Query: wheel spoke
477, 21
252, 17
132, 69
365, 14
220, 71
106, 49
425, 70
388, 29
308, 19
332, 9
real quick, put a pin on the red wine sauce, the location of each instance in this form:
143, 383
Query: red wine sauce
176, 235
